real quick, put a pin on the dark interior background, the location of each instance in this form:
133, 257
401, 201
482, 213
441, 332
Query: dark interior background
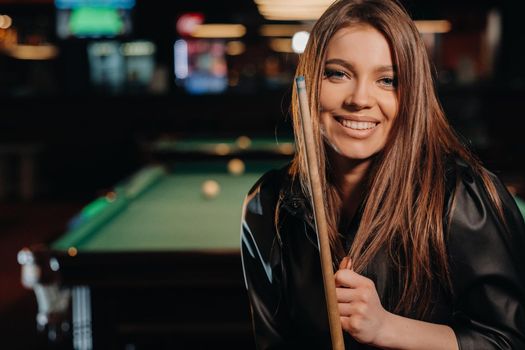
81, 138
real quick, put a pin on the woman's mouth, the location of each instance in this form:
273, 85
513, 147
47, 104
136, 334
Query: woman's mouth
356, 125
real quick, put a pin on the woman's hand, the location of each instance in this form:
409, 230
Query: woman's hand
360, 309
363, 316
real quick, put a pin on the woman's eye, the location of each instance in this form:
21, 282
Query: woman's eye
335, 74
388, 81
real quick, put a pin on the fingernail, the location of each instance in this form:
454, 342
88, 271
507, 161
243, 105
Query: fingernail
349, 263
344, 263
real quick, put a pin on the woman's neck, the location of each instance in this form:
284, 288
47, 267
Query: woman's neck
350, 176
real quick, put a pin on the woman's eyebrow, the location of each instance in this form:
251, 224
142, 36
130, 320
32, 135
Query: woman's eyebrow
383, 69
340, 62
349, 66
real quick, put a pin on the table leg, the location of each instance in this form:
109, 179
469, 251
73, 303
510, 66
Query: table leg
82, 316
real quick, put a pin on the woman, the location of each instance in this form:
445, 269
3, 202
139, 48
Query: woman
426, 243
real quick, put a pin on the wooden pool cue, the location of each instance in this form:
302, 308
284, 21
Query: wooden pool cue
336, 331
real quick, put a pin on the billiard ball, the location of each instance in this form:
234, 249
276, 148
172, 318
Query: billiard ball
243, 142
222, 149
236, 167
286, 148
210, 189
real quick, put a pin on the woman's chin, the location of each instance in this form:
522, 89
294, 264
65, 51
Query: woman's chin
352, 151
346, 160
355, 154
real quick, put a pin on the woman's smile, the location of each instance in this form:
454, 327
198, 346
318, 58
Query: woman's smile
357, 127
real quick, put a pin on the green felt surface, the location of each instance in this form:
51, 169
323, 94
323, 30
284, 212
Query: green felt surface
171, 214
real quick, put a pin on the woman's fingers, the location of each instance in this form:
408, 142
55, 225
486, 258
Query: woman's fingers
352, 309
352, 295
345, 295
349, 264
351, 279
346, 263
359, 306
343, 263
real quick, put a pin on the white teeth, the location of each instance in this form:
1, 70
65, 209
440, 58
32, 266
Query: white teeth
357, 125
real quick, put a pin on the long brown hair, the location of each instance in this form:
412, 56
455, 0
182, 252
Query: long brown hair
405, 202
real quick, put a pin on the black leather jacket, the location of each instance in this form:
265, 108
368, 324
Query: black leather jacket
283, 274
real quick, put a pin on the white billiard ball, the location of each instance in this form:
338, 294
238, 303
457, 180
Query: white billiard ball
236, 167
210, 189
243, 142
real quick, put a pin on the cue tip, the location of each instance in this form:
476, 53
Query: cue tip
300, 81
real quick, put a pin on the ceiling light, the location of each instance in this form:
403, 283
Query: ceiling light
440, 26
285, 30
281, 44
292, 9
5, 21
235, 48
299, 41
219, 31
32, 52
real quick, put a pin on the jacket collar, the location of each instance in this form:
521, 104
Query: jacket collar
294, 201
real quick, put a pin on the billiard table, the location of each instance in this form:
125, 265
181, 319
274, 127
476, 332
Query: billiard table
152, 264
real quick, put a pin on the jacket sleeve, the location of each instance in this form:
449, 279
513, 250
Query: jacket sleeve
487, 268
262, 265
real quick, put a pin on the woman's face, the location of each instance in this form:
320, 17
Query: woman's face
358, 92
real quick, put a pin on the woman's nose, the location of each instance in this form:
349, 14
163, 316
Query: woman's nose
359, 97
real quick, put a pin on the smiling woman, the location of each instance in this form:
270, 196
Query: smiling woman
426, 242
358, 96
